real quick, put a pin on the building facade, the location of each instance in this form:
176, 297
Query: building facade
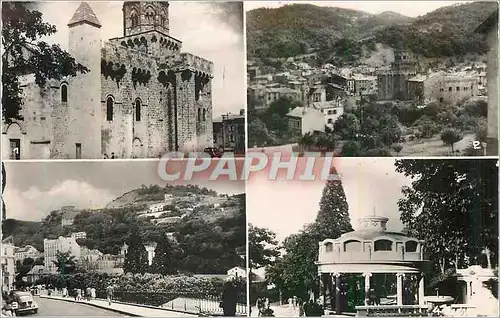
8, 263
62, 245
142, 96
331, 110
303, 120
229, 132
28, 251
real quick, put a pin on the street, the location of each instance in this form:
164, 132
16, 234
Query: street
49, 307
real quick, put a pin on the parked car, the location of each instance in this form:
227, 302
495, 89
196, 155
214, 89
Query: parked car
213, 152
25, 302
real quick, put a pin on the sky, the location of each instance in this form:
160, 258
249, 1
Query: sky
213, 31
286, 206
408, 8
33, 189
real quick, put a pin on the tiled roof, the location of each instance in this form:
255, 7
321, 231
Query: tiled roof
84, 13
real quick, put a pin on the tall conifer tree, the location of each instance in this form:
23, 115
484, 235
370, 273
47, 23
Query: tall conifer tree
333, 217
166, 259
136, 258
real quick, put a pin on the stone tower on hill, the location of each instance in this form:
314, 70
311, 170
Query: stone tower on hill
143, 97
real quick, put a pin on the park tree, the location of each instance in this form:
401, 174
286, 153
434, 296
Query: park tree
65, 263
297, 272
450, 136
166, 257
397, 148
348, 126
24, 53
262, 247
136, 258
452, 206
351, 149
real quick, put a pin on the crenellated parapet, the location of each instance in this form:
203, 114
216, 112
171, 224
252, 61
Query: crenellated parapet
186, 61
150, 42
198, 64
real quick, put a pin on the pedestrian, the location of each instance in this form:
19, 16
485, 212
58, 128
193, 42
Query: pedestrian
88, 293
301, 307
92, 293
294, 302
79, 294
6, 305
112, 155
229, 299
109, 294
65, 292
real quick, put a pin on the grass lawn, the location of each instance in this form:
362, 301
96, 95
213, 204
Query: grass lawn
434, 147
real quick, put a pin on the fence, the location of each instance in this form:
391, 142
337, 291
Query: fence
186, 302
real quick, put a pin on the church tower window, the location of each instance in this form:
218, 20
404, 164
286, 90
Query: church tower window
109, 109
64, 93
137, 110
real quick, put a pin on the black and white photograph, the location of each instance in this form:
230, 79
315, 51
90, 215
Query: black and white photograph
110, 238
108, 80
373, 78
390, 238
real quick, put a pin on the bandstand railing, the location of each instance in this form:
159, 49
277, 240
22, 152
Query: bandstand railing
392, 311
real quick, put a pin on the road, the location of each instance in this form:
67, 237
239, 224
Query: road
50, 307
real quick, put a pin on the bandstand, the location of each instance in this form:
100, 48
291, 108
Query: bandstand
371, 266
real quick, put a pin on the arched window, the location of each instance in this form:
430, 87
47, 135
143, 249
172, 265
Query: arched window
199, 114
150, 16
109, 109
352, 246
411, 246
329, 247
137, 110
64, 93
383, 245
134, 18
204, 114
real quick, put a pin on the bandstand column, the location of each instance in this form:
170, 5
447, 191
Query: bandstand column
337, 292
322, 287
421, 290
367, 286
399, 286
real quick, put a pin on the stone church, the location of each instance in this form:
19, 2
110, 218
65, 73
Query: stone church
142, 98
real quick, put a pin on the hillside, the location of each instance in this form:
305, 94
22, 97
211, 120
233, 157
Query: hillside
209, 236
303, 28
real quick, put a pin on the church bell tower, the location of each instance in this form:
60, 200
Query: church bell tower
143, 16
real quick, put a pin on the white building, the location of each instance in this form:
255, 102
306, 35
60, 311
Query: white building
79, 235
332, 110
157, 207
8, 264
303, 120
237, 272
168, 198
27, 251
61, 244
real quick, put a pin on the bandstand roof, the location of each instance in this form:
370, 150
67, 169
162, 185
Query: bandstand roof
362, 251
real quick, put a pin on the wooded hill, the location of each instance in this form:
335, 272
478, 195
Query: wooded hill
298, 29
